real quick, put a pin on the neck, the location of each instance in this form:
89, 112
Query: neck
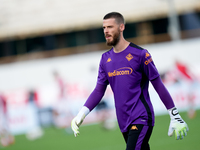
121, 45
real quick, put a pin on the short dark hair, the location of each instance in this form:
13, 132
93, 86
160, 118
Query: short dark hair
117, 16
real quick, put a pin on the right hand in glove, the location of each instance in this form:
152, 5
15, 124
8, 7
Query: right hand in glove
77, 121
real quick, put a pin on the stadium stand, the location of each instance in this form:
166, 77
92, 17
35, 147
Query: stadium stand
52, 28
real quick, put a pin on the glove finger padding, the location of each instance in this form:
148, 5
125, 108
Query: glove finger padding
182, 134
75, 127
177, 135
185, 131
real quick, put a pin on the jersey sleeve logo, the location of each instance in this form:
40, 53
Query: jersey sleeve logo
147, 55
129, 57
109, 60
148, 59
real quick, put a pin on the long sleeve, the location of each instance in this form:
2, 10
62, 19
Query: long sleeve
163, 93
96, 96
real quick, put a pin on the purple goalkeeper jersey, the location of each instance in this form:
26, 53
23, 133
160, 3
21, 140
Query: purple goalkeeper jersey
128, 74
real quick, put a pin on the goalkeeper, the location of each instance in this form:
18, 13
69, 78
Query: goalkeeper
128, 69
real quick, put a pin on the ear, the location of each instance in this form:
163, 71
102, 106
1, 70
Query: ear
121, 27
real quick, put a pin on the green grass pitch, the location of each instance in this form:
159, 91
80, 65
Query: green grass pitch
93, 137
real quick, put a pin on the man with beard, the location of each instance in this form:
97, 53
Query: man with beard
128, 69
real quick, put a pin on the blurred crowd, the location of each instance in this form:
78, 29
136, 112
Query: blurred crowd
58, 115
181, 73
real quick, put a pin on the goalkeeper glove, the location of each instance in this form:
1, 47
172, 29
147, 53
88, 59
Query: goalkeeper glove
77, 121
177, 124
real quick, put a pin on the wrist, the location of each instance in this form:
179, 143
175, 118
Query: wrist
84, 111
173, 112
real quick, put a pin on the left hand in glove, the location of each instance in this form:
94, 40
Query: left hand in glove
177, 124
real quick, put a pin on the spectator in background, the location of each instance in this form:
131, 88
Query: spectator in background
61, 110
5, 136
36, 131
184, 73
181, 73
60, 83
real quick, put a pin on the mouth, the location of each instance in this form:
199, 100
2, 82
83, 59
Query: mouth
108, 36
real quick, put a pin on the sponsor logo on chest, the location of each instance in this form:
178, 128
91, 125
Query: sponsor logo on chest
121, 71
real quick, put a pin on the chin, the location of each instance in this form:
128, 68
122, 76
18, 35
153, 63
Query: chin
109, 43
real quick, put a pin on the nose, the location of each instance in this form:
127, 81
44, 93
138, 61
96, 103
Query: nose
105, 30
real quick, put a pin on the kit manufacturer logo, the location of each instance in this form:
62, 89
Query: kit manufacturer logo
109, 59
134, 127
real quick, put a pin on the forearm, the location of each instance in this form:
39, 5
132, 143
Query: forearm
95, 97
163, 93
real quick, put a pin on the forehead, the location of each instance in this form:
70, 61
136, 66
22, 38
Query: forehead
108, 22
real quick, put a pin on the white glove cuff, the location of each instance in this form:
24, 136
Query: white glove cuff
83, 112
173, 112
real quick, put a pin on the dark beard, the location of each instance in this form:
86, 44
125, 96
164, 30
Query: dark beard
115, 40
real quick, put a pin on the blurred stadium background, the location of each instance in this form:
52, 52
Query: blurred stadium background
49, 56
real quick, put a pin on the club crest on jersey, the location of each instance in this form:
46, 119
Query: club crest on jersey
120, 72
129, 57
109, 59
